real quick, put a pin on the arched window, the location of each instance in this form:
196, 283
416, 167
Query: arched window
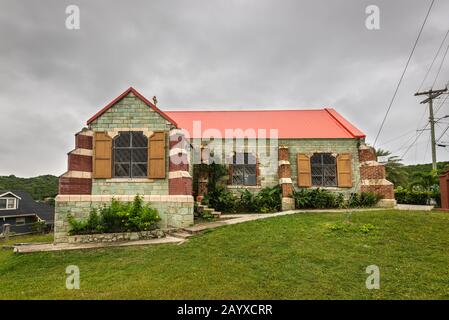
130, 155
324, 170
244, 169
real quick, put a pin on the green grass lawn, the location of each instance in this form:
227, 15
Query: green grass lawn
302, 256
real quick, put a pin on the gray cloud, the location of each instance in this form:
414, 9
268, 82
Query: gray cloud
208, 54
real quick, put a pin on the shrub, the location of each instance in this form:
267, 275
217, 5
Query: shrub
324, 199
118, 217
420, 197
363, 199
266, 200
221, 200
317, 199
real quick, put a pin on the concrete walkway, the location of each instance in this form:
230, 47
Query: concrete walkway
177, 237
29, 248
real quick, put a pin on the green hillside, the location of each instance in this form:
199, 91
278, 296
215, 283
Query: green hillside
39, 187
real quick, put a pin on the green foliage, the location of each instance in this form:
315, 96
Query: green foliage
317, 199
426, 181
411, 170
420, 197
347, 226
394, 168
266, 200
324, 199
221, 199
363, 199
118, 217
39, 188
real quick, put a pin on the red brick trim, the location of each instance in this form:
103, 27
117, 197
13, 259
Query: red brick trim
75, 185
180, 186
77, 162
83, 142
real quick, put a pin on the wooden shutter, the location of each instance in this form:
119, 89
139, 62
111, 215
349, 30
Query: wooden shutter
344, 170
304, 172
156, 156
102, 156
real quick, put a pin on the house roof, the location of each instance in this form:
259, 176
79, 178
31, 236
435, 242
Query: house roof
318, 123
137, 94
28, 206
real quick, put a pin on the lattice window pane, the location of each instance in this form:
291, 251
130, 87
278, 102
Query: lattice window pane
139, 140
122, 170
122, 155
315, 159
139, 155
330, 181
123, 140
139, 170
237, 180
330, 171
250, 180
317, 180
317, 171
328, 159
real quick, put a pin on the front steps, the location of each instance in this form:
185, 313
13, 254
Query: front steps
204, 210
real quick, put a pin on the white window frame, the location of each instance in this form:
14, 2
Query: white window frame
8, 202
22, 221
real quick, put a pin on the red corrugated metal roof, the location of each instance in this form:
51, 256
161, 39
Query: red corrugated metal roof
321, 123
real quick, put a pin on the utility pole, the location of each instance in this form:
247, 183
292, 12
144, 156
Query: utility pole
432, 94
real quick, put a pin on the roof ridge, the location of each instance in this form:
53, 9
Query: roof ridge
140, 96
244, 110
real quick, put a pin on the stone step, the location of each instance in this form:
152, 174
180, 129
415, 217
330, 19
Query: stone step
216, 214
181, 234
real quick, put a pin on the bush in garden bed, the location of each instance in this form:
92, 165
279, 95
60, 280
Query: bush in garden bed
118, 217
419, 197
363, 199
267, 199
324, 199
317, 199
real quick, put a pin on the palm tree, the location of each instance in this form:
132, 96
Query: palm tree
427, 181
393, 167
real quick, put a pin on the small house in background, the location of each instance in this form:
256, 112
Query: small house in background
132, 147
21, 212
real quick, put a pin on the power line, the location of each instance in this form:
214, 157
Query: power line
420, 133
397, 137
414, 141
441, 65
403, 73
433, 61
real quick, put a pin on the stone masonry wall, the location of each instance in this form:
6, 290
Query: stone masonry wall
131, 113
268, 165
175, 211
81, 192
296, 146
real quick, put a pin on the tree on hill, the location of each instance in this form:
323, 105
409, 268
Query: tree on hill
427, 181
39, 188
393, 167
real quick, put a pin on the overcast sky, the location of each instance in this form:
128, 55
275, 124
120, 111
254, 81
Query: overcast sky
211, 54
